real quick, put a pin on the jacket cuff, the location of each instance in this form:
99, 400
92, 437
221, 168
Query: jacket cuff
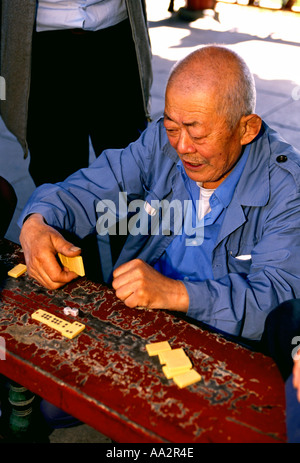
194, 290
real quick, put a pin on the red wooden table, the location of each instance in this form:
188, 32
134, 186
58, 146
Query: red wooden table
105, 377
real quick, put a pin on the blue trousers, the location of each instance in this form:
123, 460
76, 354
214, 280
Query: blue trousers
56, 418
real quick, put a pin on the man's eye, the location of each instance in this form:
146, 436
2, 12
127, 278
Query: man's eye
172, 131
198, 137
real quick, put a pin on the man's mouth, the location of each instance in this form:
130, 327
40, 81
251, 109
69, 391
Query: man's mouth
192, 165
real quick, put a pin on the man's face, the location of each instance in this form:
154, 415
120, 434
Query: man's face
206, 146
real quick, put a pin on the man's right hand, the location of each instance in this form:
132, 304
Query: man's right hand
40, 244
296, 374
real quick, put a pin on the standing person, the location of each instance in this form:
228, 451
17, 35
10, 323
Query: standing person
74, 70
8, 202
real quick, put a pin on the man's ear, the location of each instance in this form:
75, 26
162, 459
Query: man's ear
250, 126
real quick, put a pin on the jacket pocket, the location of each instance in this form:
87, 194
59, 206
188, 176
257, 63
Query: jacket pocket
239, 264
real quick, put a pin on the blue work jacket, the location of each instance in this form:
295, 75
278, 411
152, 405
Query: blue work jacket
255, 260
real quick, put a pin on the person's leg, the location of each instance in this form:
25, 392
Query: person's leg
56, 133
45, 417
281, 327
8, 202
117, 115
56, 418
281, 331
4, 407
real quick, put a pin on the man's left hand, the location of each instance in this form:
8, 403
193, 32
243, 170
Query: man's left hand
138, 284
296, 375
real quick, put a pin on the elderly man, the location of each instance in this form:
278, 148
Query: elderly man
237, 258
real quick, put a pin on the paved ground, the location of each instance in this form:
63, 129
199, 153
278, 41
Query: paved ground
270, 43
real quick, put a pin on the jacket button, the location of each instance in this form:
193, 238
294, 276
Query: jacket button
281, 158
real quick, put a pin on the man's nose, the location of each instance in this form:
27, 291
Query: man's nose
185, 144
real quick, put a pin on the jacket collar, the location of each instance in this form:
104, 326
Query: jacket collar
253, 188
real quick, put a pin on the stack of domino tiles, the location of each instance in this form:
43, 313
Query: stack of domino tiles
176, 364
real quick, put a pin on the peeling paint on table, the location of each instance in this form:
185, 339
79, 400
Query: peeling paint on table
105, 377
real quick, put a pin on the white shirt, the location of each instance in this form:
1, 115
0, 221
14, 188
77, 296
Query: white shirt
82, 14
204, 197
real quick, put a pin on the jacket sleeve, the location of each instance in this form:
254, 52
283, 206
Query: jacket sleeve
72, 205
238, 303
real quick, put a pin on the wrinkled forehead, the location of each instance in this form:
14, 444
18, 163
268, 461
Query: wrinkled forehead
196, 80
203, 97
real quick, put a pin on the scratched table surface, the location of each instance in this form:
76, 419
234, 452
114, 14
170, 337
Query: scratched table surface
105, 377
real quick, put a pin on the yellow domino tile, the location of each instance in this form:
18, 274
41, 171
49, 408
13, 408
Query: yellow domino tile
41, 315
177, 359
170, 373
171, 355
75, 264
187, 378
156, 347
50, 320
177, 365
69, 330
58, 324
17, 270
72, 330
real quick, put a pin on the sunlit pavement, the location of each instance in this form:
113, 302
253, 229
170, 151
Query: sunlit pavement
267, 39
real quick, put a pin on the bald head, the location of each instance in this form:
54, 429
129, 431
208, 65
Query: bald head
222, 73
